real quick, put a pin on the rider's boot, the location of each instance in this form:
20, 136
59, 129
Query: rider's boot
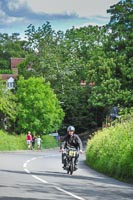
76, 164
65, 166
75, 167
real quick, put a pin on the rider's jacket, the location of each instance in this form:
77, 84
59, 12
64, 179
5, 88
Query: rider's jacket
72, 141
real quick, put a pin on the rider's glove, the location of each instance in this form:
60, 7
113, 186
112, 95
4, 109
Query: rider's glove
62, 150
80, 151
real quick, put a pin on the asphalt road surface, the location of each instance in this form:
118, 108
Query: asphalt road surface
30, 175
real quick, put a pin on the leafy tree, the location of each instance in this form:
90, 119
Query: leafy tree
85, 49
100, 55
120, 41
7, 107
11, 46
45, 56
38, 107
64, 61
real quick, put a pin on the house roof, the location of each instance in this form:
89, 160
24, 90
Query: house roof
7, 76
16, 61
14, 68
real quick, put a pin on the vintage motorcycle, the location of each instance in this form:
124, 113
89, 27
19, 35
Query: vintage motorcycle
69, 159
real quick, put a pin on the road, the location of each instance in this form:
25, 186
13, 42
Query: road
37, 175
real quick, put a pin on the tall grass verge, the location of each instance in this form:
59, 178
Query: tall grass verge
18, 142
110, 151
12, 142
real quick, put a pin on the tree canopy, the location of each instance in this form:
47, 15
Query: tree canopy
7, 107
100, 57
38, 108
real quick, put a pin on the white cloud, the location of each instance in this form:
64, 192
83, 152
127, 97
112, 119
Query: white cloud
2, 14
14, 5
11, 20
7, 20
83, 8
16, 15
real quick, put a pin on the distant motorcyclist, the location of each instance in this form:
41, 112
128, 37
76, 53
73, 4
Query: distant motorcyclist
71, 140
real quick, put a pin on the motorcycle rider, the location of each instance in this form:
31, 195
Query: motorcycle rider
71, 140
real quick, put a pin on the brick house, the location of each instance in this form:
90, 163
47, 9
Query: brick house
10, 78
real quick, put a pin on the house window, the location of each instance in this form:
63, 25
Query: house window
10, 83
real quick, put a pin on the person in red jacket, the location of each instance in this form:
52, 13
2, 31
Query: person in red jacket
29, 140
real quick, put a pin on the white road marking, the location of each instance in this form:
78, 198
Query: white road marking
44, 181
36, 177
27, 171
24, 165
69, 193
33, 158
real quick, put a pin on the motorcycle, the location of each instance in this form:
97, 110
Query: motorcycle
69, 156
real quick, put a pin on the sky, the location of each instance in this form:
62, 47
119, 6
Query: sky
17, 15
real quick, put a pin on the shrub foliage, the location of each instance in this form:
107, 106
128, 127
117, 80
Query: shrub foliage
111, 151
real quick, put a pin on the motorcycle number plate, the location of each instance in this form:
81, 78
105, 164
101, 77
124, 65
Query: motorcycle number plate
72, 153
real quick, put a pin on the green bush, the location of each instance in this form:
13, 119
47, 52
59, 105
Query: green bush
110, 151
49, 142
6, 71
12, 142
18, 142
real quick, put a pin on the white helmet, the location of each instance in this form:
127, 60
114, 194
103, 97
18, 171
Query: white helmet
70, 128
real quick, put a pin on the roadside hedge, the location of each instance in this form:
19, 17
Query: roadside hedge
110, 151
10, 142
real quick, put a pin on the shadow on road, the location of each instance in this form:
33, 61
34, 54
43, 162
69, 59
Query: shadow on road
17, 198
98, 178
99, 186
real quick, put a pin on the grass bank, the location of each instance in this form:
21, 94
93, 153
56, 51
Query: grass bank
110, 151
18, 142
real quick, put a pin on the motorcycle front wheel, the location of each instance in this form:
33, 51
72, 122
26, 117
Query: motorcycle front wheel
72, 166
